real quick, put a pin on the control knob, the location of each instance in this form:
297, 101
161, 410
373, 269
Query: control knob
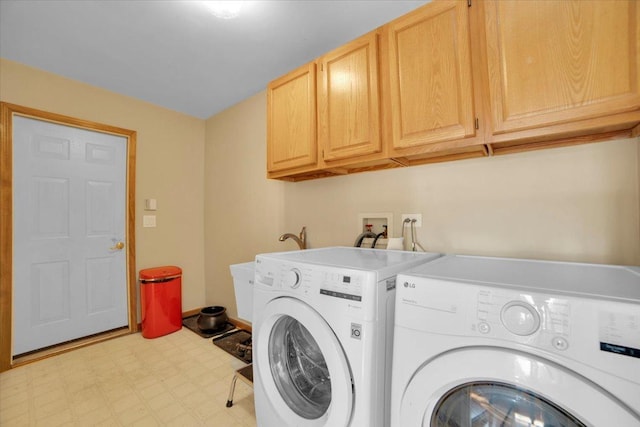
292, 278
520, 318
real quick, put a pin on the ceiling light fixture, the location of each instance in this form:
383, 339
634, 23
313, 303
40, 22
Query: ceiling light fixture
224, 9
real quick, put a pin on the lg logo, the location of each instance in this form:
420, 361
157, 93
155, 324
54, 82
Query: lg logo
409, 285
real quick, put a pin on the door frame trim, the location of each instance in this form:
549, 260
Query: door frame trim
7, 112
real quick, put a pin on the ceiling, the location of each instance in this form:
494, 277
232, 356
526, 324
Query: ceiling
176, 54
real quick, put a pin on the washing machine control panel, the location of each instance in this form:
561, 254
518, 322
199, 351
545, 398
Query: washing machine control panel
353, 291
308, 279
342, 284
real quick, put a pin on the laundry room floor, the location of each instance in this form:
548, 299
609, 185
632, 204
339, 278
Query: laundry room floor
179, 379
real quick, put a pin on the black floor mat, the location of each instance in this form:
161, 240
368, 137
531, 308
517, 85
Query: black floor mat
191, 323
237, 344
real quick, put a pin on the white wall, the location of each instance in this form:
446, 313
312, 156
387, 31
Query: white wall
244, 212
578, 203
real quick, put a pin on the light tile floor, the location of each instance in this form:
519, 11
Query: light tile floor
179, 379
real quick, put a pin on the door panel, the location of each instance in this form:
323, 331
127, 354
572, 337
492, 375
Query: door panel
291, 120
431, 90
50, 213
350, 110
554, 62
49, 293
69, 212
101, 296
100, 209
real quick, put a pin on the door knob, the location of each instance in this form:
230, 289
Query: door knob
117, 247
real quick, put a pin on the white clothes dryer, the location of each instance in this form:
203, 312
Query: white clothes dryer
507, 342
322, 335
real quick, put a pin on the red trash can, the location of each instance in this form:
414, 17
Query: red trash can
161, 300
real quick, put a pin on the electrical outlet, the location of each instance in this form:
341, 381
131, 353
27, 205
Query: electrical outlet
416, 216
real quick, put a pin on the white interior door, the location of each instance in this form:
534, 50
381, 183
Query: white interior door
69, 225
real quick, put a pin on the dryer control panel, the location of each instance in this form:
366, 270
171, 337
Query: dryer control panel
596, 332
523, 316
452, 308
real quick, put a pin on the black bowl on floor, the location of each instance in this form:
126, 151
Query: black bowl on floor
212, 319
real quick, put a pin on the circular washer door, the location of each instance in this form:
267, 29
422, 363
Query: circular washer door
482, 385
302, 365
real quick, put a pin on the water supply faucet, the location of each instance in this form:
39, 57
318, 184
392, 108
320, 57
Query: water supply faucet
360, 238
301, 240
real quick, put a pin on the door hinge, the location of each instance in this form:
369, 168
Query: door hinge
468, 3
477, 123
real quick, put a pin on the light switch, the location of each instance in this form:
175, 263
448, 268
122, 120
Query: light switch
148, 220
150, 205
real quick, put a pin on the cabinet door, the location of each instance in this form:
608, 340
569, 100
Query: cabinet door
349, 103
556, 61
430, 79
291, 120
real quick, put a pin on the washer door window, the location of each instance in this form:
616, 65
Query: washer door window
497, 404
299, 368
301, 365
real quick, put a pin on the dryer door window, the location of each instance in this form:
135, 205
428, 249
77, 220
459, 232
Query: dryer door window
463, 387
299, 369
497, 404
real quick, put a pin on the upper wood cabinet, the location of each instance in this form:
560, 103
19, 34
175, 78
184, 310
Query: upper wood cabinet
349, 105
561, 61
339, 92
448, 81
291, 122
430, 84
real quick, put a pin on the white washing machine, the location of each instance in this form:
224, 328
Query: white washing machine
507, 342
322, 335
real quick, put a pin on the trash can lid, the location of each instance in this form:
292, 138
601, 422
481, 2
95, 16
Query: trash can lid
160, 272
